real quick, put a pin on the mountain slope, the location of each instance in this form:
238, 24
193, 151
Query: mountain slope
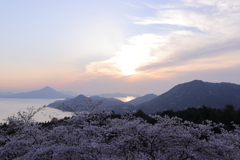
81, 99
73, 102
44, 93
195, 94
140, 100
107, 101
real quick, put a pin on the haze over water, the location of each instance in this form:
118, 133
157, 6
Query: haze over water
9, 107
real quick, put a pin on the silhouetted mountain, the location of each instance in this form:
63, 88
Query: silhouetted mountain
195, 94
140, 100
108, 99
45, 93
72, 101
81, 99
110, 95
111, 104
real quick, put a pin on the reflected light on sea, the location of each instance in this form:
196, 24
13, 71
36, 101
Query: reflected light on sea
125, 99
9, 107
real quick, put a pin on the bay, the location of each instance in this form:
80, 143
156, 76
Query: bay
9, 107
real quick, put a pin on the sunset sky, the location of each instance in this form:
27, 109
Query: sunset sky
128, 46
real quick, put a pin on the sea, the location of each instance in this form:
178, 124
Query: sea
10, 107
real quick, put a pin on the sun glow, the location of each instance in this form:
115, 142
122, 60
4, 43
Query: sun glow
126, 99
139, 52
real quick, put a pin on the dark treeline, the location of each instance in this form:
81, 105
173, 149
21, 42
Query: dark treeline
226, 116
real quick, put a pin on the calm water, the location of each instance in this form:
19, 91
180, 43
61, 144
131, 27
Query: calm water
10, 107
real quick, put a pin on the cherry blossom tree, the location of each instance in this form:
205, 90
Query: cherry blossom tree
93, 133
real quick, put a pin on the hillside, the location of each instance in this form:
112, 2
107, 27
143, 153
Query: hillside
142, 99
195, 94
81, 99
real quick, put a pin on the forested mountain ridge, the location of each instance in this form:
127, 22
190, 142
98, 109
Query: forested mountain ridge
110, 104
195, 94
106, 102
142, 99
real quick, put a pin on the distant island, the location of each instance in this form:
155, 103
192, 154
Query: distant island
44, 93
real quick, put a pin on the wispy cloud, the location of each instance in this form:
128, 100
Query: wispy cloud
215, 47
138, 52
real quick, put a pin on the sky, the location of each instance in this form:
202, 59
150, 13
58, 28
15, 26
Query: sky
127, 46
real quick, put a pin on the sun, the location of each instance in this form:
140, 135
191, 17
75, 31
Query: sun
129, 98
126, 99
128, 71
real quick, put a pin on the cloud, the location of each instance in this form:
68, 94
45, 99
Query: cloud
178, 18
219, 25
207, 16
201, 42
217, 46
195, 49
130, 56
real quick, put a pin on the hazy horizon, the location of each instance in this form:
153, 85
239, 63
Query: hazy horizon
124, 98
136, 47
